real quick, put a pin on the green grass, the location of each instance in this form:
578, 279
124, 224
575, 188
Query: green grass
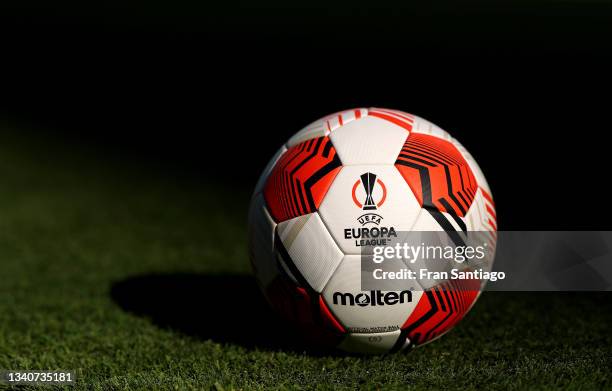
83, 238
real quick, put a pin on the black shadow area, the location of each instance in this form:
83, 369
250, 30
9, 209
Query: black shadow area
222, 308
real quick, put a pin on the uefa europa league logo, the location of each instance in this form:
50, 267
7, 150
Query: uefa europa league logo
369, 182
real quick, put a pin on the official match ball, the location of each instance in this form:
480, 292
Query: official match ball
352, 179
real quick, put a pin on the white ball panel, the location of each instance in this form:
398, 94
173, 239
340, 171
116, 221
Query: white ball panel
370, 343
326, 125
370, 140
367, 318
339, 212
261, 241
316, 129
311, 248
477, 217
421, 125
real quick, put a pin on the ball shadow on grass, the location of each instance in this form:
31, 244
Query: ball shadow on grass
221, 308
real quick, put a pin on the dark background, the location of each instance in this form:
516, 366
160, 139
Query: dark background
212, 90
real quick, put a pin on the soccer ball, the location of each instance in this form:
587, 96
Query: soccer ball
353, 177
